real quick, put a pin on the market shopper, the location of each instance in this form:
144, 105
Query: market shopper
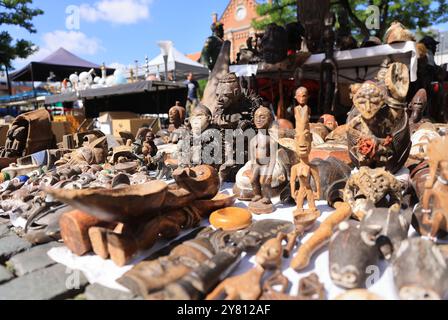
192, 98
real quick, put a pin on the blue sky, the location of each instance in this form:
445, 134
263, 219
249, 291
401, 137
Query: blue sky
121, 31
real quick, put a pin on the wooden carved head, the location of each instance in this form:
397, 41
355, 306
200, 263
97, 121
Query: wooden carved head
303, 132
263, 118
369, 99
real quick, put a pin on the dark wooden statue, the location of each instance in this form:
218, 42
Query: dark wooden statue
212, 46
312, 14
329, 74
235, 109
418, 107
274, 44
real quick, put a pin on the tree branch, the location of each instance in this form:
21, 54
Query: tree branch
346, 5
385, 14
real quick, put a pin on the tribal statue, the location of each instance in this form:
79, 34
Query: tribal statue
304, 172
263, 153
274, 44
176, 117
235, 106
201, 137
377, 136
311, 14
418, 107
235, 111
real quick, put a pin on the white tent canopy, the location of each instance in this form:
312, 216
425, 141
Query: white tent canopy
355, 64
179, 63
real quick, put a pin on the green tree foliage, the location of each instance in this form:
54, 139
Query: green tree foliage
280, 12
414, 14
16, 13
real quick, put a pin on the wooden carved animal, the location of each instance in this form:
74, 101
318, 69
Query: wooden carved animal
248, 285
243, 287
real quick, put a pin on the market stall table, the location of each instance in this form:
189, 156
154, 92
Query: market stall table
105, 272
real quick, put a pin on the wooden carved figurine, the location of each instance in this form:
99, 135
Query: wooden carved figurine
418, 106
274, 44
310, 288
176, 116
377, 135
248, 285
206, 277
435, 198
263, 157
234, 110
213, 45
301, 97
303, 172
201, 136
149, 149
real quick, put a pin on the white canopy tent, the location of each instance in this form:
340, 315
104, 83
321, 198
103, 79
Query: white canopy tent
178, 63
354, 65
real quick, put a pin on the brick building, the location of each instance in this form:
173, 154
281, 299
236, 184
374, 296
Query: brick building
237, 19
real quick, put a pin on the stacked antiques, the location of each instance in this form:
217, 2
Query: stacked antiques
241, 202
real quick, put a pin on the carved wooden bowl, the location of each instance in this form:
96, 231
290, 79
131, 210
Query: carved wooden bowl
221, 200
306, 218
113, 205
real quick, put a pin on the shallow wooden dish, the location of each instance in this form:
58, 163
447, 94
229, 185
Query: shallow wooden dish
116, 204
221, 200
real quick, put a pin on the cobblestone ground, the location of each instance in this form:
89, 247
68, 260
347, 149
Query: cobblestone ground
28, 273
